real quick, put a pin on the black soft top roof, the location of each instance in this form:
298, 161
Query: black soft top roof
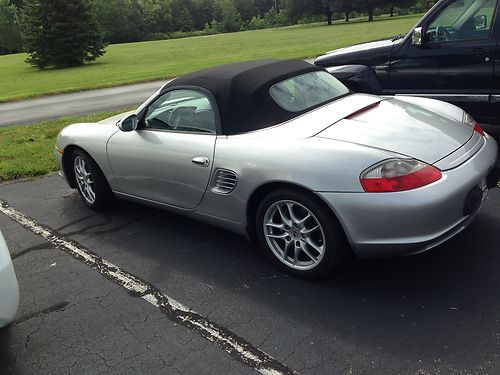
242, 91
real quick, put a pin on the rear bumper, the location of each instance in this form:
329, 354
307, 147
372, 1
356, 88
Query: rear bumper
493, 179
389, 224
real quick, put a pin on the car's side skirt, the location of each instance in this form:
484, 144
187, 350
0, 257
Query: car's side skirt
232, 226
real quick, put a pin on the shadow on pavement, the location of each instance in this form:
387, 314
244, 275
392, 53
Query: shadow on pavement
440, 303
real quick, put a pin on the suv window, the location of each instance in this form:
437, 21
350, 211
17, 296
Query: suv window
181, 110
463, 20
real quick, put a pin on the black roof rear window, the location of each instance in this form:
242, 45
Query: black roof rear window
306, 91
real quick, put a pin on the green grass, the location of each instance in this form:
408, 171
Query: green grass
145, 61
28, 151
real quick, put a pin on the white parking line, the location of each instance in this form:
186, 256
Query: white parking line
175, 311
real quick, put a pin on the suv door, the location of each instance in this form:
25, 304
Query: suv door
455, 60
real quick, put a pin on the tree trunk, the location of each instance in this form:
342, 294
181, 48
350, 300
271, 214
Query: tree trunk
346, 16
392, 10
370, 14
328, 15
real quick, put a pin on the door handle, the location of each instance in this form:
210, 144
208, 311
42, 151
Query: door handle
479, 51
201, 161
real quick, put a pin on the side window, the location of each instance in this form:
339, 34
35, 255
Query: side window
463, 20
181, 110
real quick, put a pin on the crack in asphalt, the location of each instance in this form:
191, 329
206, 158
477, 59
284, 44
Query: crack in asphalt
57, 307
231, 343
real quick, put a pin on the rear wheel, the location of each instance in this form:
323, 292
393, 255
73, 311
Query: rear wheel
300, 234
90, 181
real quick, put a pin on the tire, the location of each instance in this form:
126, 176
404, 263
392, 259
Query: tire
310, 243
90, 181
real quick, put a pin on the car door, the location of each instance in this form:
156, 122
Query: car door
456, 58
169, 158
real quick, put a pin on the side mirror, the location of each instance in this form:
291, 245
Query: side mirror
480, 22
128, 124
416, 38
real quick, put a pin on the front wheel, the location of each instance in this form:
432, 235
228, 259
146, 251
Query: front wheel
300, 234
90, 181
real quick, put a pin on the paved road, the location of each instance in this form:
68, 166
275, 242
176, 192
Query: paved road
78, 103
433, 313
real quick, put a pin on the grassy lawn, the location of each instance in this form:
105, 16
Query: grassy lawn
145, 61
28, 151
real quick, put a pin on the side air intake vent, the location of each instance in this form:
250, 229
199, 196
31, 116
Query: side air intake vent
224, 181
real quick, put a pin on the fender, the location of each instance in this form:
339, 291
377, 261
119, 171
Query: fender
358, 78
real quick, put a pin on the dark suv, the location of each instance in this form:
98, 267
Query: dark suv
451, 54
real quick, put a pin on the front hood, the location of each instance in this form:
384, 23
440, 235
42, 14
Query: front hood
369, 48
400, 126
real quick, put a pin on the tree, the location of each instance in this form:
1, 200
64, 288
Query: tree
371, 5
17, 3
226, 14
118, 20
345, 6
297, 9
10, 35
182, 18
327, 7
400, 4
246, 9
264, 6
204, 13
60, 33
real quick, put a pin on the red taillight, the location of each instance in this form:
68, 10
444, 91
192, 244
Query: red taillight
478, 129
467, 119
398, 175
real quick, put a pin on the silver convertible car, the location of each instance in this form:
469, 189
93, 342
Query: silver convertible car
282, 152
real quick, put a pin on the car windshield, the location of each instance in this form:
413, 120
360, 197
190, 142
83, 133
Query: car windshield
306, 91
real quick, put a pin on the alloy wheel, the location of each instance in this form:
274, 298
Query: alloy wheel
294, 235
84, 179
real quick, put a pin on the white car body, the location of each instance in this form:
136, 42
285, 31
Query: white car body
9, 289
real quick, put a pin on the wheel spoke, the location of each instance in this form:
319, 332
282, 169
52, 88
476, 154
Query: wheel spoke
278, 236
285, 249
296, 253
78, 171
318, 248
294, 218
303, 220
310, 230
308, 253
276, 225
286, 220
90, 192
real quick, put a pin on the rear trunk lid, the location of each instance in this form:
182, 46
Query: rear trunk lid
405, 128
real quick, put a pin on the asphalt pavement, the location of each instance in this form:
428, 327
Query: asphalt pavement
434, 313
29, 111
